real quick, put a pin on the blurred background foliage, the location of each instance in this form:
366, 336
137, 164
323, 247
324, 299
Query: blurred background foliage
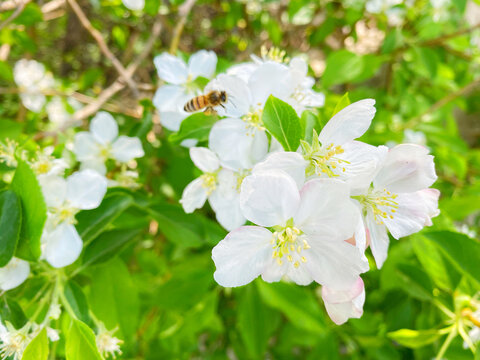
420, 61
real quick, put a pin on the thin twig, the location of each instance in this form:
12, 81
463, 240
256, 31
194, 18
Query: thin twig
14, 15
103, 46
443, 101
118, 85
443, 38
183, 12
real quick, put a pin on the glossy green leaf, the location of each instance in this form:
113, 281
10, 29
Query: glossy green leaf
10, 225
37, 349
342, 66
196, 126
342, 103
77, 301
416, 282
80, 343
11, 311
282, 121
414, 338
34, 211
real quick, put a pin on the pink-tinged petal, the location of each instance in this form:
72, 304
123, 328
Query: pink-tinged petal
413, 213
63, 246
270, 78
407, 168
292, 163
363, 163
86, 189
344, 305
127, 148
194, 196
378, 239
104, 128
242, 256
360, 238
171, 69
85, 146
14, 274
269, 198
349, 123
336, 264
326, 210
237, 146
204, 159
202, 63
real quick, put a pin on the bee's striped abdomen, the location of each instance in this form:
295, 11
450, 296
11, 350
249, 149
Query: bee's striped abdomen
195, 104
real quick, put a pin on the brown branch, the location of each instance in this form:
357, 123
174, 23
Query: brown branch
443, 38
103, 46
183, 12
14, 15
118, 85
442, 102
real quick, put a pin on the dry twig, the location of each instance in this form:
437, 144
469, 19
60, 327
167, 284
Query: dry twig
14, 15
183, 12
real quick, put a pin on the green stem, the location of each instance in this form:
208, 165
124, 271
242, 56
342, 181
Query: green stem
446, 344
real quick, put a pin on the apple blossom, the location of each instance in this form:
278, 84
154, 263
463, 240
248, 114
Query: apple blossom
134, 4
84, 190
14, 274
399, 199
307, 243
13, 342
107, 344
102, 143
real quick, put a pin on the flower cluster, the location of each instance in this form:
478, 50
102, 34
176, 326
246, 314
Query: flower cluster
311, 212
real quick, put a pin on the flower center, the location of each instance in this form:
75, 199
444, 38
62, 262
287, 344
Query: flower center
64, 213
209, 182
381, 202
274, 54
13, 345
288, 243
44, 167
325, 161
254, 121
105, 152
242, 174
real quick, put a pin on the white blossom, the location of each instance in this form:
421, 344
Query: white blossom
14, 274
107, 344
13, 342
342, 305
102, 143
134, 4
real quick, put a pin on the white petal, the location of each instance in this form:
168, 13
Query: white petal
63, 246
170, 98
202, 63
326, 210
54, 189
204, 159
378, 239
274, 272
299, 67
407, 168
341, 305
242, 256
194, 196
413, 213
85, 146
270, 78
86, 189
126, 148
239, 97
236, 146
172, 119
104, 128
291, 162
14, 274
33, 101
95, 164
300, 275
349, 123
269, 198
188, 143
227, 210
336, 264
134, 4
171, 69
242, 70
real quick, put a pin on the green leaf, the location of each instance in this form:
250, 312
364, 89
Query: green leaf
80, 343
34, 211
296, 303
12, 312
462, 251
77, 301
459, 208
107, 245
196, 126
342, 103
430, 59
282, 121
38, 347
6, 73
417, 283
31, 15
10, 225
256, 322
91, 223
309, 120
414, 338
114, 297
342, 66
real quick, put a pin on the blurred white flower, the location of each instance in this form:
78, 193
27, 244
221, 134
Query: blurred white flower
58, 114
13, 342
414, 137
307, 243
134, 4
107, 344
102, 143
47, 165
179, 76
33, 80
84, 190
14, 274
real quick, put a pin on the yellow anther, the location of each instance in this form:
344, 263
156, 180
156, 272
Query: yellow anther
304, 259
296, 264
289, 258
279, 262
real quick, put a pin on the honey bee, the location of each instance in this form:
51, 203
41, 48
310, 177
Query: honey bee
207, 101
